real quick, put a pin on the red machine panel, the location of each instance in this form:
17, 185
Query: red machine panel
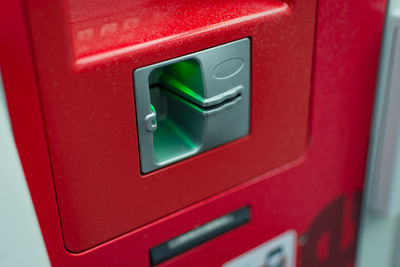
85, 55
74, 123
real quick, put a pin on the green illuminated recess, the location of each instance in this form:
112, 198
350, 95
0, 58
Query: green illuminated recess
175, 91
191, 104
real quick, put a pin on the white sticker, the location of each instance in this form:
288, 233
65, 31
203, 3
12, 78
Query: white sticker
277, 252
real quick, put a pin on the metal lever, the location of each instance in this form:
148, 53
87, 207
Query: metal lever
205, 111
170, 83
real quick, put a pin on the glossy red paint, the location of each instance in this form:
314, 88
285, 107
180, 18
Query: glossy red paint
89, 111
290, 197
107, 26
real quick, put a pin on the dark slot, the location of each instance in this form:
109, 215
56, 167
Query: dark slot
199, 235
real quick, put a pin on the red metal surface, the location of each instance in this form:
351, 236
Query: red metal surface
103, 26
290, 197
89, 111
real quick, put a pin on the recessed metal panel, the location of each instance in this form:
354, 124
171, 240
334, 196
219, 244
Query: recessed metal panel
192, 103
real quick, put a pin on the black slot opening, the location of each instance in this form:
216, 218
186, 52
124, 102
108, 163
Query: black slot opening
199, 235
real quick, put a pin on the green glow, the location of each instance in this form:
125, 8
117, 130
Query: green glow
188, 71
173, 83
180, 133
154, 110
171, 141
185, 78
179, 128
187, 103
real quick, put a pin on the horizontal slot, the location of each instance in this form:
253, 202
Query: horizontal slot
205, 111
199, 235
182, 90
